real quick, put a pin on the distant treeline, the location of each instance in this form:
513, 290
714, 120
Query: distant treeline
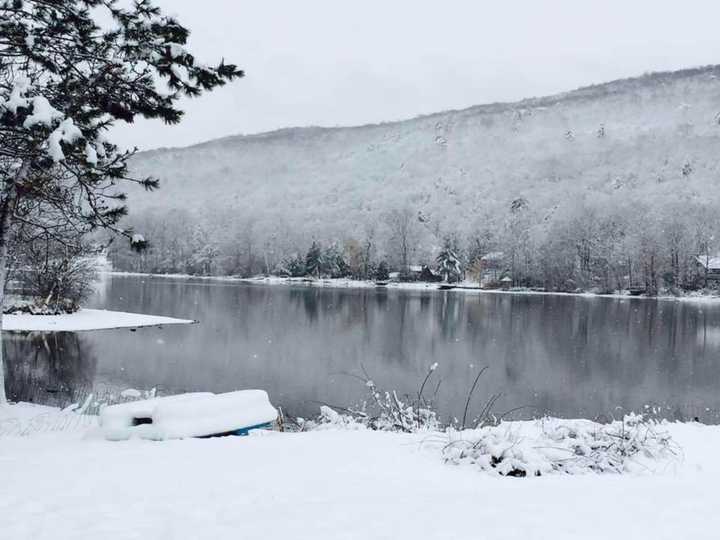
600, 244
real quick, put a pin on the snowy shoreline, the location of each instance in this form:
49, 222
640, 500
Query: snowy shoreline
367, 484
84, 320
343, 283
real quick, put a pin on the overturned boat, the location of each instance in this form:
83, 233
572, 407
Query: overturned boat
199, 414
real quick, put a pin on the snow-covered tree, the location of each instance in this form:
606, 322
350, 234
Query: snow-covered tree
333, 262
403, 236
295, 266
57, 274
448, 262
68, 71
382, 272
313, 260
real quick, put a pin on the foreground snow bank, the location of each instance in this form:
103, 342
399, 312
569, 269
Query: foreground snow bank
85, 319
334, 484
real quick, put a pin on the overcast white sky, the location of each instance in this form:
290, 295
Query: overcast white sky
347, 62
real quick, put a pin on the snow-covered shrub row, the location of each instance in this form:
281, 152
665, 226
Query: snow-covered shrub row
556, 446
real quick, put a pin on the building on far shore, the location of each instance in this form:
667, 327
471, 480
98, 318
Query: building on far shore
709, 266
416, 272
489, 270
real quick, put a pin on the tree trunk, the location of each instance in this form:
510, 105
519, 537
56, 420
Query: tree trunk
5, 213
7, 208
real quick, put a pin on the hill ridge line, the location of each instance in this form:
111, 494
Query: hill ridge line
582, 93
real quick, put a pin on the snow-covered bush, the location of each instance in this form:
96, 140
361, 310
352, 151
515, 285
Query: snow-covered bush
57, 277
384, 411
560, 446
331, 419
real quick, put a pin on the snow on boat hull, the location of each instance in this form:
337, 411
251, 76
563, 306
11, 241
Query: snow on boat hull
189, 415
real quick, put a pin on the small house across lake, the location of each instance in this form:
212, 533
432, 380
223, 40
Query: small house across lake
416, 273
710, 266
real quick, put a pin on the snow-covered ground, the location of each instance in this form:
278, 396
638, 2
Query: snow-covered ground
61, 481
469, 287
85, 319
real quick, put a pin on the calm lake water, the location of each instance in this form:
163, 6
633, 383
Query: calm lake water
562, 355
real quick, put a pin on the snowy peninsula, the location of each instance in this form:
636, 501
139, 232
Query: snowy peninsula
85, 319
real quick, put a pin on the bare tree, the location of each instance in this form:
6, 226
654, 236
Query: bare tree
57, 273
403, 237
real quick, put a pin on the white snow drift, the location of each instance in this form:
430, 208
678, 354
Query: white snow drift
329, 485
85, 319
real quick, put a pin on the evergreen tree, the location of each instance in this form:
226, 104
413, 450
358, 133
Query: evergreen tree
448, 262
313, 260
382, 272
333, 263
65, 79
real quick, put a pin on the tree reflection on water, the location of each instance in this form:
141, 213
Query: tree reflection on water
50, 368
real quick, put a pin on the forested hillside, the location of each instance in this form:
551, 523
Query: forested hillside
597, 187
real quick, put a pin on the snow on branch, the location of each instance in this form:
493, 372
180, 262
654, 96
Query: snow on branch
67, 74
42, 113
67, 132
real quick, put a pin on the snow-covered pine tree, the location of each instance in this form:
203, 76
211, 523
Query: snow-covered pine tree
65, 79
382, 272
313, 260
448, 262
333, 262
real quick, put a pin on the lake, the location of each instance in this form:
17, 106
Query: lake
568, 356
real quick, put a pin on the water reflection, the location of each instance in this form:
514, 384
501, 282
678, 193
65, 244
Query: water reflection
568, 356
54, 369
